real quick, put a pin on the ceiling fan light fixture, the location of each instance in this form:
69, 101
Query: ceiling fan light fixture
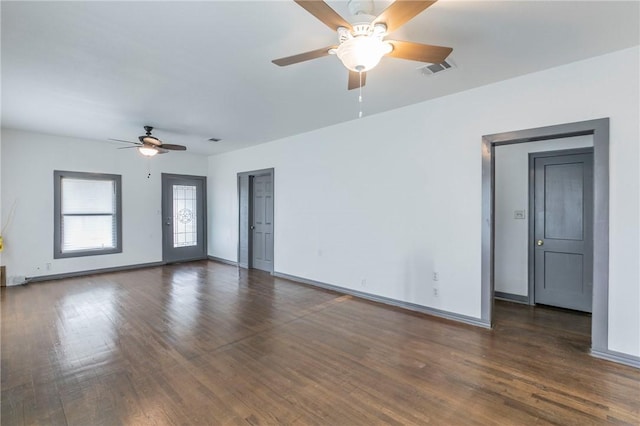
362, 53
147, 151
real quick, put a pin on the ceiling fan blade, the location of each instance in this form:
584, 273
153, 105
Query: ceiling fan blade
120, 140
128, 147
354, 80
400, 12
419, 52
161, 151
172, 147
324, 13
302, 57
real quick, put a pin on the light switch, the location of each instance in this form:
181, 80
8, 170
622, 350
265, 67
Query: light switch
519, 214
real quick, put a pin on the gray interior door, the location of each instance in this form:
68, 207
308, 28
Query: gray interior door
244, 222
261, 190
563, 230
255, 219
183, 218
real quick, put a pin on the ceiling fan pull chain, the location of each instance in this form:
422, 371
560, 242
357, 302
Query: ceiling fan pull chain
360, 95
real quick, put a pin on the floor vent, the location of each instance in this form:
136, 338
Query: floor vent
436, 68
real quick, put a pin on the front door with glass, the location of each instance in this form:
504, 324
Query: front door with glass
183, 218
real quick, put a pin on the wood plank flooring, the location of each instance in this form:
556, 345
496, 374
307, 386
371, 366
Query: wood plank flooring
207, 344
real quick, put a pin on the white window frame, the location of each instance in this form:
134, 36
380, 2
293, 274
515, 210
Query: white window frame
58, 175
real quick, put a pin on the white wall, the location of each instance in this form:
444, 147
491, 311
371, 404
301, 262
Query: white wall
512, 193
28, 162
393, 197
1, 217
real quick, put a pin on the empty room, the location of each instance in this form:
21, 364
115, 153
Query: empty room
333, 213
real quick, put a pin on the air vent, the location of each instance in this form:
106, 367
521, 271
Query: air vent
214, 140
437, 68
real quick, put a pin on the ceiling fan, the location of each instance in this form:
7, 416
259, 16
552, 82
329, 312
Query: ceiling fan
361, 45
150, 145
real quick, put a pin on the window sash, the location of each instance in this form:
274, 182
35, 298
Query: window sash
85, 196
88, 232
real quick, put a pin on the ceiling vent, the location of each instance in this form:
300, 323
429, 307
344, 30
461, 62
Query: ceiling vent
437, 68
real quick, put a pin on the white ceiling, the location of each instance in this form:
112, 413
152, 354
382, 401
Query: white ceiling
196, 70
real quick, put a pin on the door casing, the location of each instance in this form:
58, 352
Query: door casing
599, 128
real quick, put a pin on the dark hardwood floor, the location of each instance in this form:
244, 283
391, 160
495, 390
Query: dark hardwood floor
206, 343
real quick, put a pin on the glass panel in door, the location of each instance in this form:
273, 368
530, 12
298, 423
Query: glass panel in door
185, 216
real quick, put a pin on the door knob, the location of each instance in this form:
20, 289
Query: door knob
539, 242
252, 227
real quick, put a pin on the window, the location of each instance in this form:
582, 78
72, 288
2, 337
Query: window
87, 209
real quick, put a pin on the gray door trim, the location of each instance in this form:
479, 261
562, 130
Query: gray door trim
531, 250
166, 176
599, 128
244, 236
249, 175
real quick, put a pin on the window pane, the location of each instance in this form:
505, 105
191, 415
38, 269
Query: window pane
87, 196
184, 216
88, 232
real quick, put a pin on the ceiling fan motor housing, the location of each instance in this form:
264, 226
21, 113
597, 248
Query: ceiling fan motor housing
148, 139
152, 140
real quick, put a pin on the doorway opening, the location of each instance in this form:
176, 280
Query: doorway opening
184, 218
598, 130
543, 222
256, 219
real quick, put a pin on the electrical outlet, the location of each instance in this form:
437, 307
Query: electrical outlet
363, 283
436, 276
48, 266
435, 292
